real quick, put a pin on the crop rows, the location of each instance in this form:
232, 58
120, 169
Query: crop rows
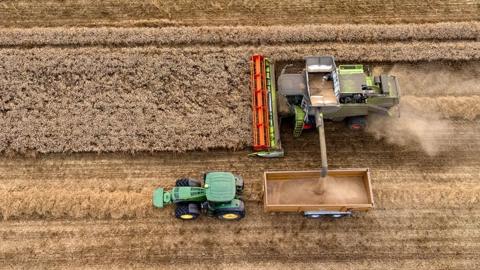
238, 35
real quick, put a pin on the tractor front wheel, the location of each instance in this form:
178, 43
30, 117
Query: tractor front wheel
357, 122
187, 211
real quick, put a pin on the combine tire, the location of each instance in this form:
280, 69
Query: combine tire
187, 211
186, 182
357, 122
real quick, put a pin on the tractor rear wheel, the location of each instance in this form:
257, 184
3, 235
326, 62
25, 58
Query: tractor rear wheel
357, 122
187, 182
187, 211
230, 215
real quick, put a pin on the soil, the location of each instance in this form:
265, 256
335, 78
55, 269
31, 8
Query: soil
68, 84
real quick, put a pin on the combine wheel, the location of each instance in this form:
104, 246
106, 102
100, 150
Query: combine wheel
357, 122
187, 211
187, 182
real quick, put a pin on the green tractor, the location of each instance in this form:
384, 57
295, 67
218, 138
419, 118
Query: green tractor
219, 197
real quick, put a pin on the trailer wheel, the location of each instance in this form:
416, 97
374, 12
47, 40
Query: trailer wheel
313, 216
357, 122
187, 182
337, 216
187, 211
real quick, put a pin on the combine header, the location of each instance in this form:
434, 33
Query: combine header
266, 139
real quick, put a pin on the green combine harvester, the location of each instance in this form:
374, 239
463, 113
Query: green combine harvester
220, 197
322, 90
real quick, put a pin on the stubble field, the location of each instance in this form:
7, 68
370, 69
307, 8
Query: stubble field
93, 92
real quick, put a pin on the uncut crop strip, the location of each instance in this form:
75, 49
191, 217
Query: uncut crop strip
239, 35
155, 99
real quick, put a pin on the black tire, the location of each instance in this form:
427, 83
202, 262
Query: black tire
239, 189
236, 213
239, 185
187, 182
313, 216
187, 211
230, 215
357, 122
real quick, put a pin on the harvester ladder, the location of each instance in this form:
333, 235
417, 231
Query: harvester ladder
259, 103
299, 121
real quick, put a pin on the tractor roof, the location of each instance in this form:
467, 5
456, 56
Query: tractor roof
220, 186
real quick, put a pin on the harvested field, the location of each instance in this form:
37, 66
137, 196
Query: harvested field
87, 210
88, 76
28, 13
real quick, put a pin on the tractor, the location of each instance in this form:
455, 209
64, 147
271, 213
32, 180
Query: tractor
321, 90
220, 196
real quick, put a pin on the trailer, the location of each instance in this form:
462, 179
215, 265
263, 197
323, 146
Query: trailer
340, 193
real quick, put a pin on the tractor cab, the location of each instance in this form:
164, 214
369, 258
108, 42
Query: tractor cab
220, 186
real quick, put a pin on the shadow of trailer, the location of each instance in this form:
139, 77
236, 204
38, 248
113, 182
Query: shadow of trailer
337, 195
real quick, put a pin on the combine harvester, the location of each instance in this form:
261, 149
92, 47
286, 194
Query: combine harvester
320, 91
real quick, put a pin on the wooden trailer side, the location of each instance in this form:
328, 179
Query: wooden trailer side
295, 175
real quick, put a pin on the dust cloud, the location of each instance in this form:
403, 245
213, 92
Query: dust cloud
413, 127
433, 95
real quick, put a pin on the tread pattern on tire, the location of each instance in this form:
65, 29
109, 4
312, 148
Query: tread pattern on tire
186, 182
